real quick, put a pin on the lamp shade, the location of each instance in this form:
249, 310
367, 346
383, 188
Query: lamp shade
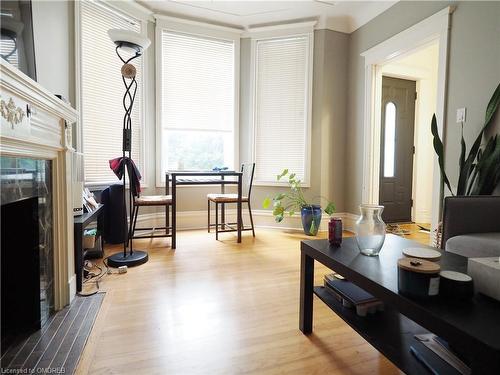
128, 39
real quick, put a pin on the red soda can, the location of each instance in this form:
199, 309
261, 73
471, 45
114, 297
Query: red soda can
335, 231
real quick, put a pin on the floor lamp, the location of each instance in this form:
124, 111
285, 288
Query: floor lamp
129, 42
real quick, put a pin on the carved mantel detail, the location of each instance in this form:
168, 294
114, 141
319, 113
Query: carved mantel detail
10, 112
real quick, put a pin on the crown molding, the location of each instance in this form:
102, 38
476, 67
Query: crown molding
189, 22
280, 29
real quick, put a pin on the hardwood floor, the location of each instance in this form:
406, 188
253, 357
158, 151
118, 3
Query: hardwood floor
218, 307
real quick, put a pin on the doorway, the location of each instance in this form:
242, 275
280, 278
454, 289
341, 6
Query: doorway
397, 149
434, 29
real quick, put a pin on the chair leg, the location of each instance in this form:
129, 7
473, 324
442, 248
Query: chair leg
223, 216
134, 220
216, 221
208, 209
167, 219
251, 218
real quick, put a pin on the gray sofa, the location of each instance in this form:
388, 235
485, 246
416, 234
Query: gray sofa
471, 226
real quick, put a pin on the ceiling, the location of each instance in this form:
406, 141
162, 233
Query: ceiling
344, 16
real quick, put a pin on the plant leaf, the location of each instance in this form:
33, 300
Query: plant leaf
279, 196
463, 149
284, 173
438, 147
266, 203
312, 229
492, 106
278, 211
488, 168
330, 208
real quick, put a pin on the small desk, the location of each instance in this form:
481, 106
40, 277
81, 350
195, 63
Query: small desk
80, 223
470, 326
200, 178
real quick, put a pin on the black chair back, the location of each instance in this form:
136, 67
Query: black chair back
248, 170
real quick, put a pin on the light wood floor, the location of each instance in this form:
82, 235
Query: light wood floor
218, 307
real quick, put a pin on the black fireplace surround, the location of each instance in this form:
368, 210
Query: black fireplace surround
27, 246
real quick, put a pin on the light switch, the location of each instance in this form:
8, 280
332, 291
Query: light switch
460, 115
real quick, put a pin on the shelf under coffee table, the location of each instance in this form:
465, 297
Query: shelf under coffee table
475, 325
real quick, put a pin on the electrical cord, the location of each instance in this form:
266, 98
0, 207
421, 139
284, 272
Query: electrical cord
96, 277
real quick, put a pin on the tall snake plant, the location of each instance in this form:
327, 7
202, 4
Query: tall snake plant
479, 172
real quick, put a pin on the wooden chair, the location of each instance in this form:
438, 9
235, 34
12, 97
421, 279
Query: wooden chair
153, 200
222, 199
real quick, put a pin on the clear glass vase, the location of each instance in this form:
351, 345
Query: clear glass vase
370, 229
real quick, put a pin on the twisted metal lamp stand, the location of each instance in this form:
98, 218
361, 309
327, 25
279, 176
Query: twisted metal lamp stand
128, 71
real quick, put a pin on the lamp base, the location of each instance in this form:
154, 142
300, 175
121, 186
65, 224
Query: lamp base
137, 258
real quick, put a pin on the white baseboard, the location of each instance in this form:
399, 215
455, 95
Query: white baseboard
72, 288
187, 220
422, 216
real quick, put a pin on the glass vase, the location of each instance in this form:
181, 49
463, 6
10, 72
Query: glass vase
370, 229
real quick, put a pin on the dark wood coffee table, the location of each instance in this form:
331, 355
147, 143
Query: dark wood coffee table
472, 328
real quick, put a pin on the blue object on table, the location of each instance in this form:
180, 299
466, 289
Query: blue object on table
218, 169
311, 219
422, 360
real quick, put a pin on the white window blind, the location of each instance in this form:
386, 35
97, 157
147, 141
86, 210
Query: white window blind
197, 102
281, 107
102, 92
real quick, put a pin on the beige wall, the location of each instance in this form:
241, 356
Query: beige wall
474, 73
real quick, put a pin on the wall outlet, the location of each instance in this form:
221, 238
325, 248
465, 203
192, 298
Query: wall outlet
461, 115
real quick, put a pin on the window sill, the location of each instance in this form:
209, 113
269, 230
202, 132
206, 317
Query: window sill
103, 185
278, 184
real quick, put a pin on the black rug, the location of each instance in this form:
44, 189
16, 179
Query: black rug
57, 347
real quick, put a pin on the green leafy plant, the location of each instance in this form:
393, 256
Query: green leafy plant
479, 172
291, 201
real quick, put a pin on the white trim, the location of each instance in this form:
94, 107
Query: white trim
203, 30
193, 27
279, 30
44, 135
433, 28
72, 288
189, 220
309, 98
132, 9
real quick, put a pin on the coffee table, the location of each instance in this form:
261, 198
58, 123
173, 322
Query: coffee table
472, 328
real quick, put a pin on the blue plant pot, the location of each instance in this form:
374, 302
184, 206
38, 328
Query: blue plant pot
311, 219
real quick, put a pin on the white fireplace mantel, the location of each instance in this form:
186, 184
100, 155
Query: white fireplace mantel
36, 124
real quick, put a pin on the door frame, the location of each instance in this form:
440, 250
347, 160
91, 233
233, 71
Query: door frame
432, 29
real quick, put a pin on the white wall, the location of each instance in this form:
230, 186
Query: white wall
421, 66
53, 29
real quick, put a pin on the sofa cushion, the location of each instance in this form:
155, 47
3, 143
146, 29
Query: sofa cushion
475, 245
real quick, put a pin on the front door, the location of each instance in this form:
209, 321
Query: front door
396, 152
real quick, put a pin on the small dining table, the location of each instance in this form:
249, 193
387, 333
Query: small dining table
179, 178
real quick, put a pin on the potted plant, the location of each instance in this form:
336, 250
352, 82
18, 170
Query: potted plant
293, 201
479, 171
